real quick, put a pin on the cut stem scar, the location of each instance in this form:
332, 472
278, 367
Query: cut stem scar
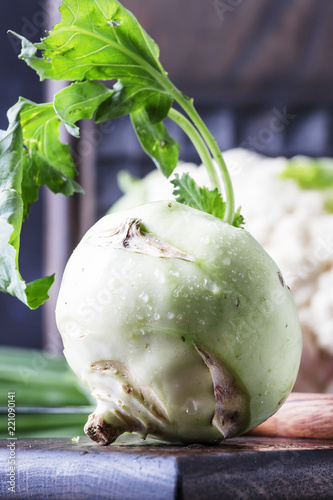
231, 398
128, 236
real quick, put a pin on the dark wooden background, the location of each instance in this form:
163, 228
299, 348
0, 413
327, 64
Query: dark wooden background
240, 50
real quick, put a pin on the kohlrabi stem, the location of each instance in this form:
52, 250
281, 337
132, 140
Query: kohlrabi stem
188, 107
198, 143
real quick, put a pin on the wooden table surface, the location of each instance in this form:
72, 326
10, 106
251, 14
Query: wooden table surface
241, 468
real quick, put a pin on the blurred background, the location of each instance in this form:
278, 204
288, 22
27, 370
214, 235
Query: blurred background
261, 74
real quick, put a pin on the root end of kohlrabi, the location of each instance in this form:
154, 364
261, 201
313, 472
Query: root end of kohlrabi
100, 431
125, 404
135, 390
141, 411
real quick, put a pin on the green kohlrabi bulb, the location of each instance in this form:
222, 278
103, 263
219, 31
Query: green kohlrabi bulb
180, 324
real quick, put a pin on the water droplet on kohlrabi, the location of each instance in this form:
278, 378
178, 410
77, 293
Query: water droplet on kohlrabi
75, 331
239, 339
191, 406
174, 273
251, 276
159, 276
143, 296
156, 316
171, 315
211, 286
205, 240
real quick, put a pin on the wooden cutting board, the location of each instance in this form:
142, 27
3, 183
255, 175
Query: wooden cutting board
296, 466
242, 468
303, 415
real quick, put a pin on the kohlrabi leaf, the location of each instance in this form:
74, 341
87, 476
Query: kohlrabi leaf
188, 192
126, 99
37, 291
12, 208
157, 107
310, 173
96, 40
46, 160
156, 141
79, 101
101, 40
238, 218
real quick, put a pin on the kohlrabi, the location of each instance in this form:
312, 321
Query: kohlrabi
180, 324
172, 314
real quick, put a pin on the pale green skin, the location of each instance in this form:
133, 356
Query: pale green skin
148, 312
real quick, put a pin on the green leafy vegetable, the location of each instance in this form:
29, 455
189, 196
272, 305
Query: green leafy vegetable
12, 208
189, 193
238, 218
95, 40
103, 40
79, 101
53, 165
40, 380
156, 141
126, 99
31, 155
